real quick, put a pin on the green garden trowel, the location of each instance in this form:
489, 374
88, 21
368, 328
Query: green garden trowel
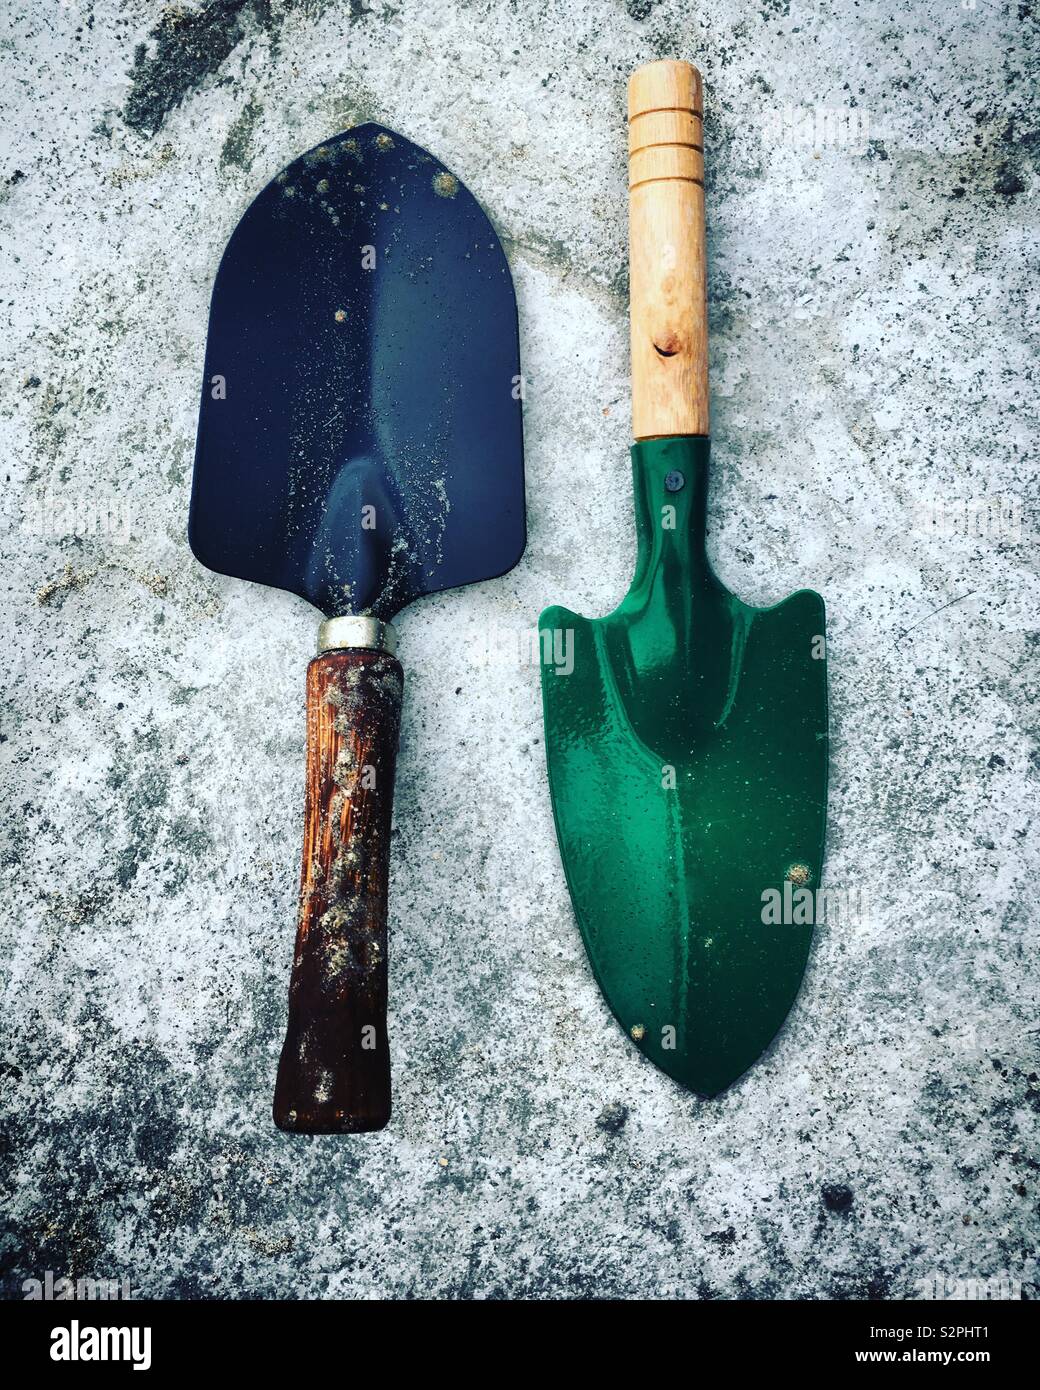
687, 740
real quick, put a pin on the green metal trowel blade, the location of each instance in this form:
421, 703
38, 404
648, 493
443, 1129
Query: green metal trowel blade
686, 739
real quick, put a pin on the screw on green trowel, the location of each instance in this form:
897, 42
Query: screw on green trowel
687, 746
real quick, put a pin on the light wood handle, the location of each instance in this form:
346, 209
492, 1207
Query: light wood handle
667, 266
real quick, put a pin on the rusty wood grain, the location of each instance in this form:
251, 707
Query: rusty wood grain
334, 1073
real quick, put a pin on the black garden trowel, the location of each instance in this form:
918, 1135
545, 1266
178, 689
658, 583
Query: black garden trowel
359, 444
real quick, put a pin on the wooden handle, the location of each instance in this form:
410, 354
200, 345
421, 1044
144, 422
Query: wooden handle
334, 1073
667, 267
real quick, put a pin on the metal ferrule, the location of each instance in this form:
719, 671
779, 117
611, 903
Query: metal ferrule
336, 634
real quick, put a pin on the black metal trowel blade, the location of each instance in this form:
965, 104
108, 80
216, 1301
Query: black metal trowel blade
360, 437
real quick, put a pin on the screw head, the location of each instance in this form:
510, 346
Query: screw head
674, 481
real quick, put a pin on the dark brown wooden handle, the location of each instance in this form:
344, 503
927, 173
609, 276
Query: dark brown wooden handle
334, 1073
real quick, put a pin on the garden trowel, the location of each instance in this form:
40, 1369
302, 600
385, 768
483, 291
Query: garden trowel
687, 741
359, 444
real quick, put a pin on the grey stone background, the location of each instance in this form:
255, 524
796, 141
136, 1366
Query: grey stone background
872, 354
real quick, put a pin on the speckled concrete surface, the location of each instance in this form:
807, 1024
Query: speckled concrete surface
871, 182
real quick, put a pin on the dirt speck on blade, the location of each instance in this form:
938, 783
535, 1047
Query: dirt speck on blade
445, 185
